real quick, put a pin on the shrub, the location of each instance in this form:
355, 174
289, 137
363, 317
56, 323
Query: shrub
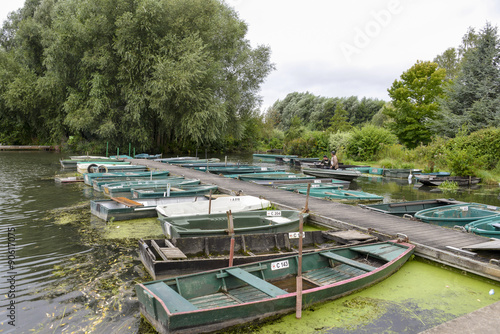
367, 141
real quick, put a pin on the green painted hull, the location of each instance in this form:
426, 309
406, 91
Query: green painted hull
273, 176
400, 173
185, 191
158, 185
222, 298
303, 186
409, 208
340, 174
458, 214
338, 194
90, 177
488, 227
246, 222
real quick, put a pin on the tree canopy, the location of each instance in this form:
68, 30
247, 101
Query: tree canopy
150, 72
415, 102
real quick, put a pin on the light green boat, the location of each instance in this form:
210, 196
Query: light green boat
458, 214
245, 222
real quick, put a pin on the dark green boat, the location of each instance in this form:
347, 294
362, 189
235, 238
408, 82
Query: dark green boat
174, 191
402, 209
343, 195
245, 222
217, 299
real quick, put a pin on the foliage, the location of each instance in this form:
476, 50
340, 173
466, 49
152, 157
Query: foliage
367, 141
338, 141
449, 185
414, 101
316, 112
151, 73
473, 100
463, 161
339, 121
312, 144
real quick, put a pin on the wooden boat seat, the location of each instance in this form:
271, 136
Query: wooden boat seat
175, 302
347, 261
256, 282
126, 201
169, 252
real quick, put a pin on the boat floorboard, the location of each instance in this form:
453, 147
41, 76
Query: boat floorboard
429, 238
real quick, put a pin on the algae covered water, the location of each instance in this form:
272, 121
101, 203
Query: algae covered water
64, 271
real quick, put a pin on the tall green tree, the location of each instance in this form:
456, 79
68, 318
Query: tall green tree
415, 102
150, 72
473, 100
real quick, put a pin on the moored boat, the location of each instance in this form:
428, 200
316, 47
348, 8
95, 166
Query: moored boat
121, 208
273, 176
303, 186
401, 173
340, 174
99, 183
457, 214
147, 156
402, 209
164, 258
90, 177
436, 180
245, 222
171, 191
127, 186
221, 298
218, 205
342, 195
487, 227
272, 157
238, 169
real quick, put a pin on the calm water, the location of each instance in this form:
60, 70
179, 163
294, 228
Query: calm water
64, 277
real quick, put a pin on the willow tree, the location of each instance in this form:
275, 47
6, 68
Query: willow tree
150, 72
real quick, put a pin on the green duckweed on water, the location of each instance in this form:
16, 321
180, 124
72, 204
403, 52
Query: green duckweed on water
147, 228
418, 297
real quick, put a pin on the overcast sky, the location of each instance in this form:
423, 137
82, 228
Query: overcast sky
338, 48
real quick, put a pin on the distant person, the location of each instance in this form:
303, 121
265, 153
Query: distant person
325, 163
334, 162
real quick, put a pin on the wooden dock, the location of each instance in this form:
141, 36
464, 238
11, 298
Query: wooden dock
439, 244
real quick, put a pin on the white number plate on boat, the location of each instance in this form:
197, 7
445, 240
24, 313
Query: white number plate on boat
292, 176
464, 208
317, 181
263, 168
273, 213
295, 235
315, 185
280, 265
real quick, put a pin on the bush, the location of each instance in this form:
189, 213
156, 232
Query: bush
367, 142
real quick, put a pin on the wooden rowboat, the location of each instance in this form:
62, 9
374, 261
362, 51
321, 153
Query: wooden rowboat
217, 205
433, 180
217, 299
164, 258
174, 191
245, 222
340, 194
122, 208
402, 209
90, 177
339, 174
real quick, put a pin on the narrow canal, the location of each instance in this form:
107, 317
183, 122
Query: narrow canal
64, 271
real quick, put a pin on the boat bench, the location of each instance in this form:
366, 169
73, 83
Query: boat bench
175, 302
348, 261
496, 226
256, 282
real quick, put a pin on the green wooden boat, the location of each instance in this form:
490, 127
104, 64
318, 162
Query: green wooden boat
224, 170
273, 176
120, 208
487, 227
458, 214
409, 208
174, 191
303, 186
340, 174
99, 183
401, 173
90, 177
343, 195
217, 299
376, 171
245, 222
72, 163
165, 258
127, 186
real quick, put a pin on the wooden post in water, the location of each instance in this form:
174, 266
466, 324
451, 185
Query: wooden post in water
107, 145
209, 201
231, 233
298, 311
306, 208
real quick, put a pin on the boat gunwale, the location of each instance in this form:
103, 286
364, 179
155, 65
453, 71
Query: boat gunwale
395, 261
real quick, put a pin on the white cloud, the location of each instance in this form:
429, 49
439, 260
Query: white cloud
383, 38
